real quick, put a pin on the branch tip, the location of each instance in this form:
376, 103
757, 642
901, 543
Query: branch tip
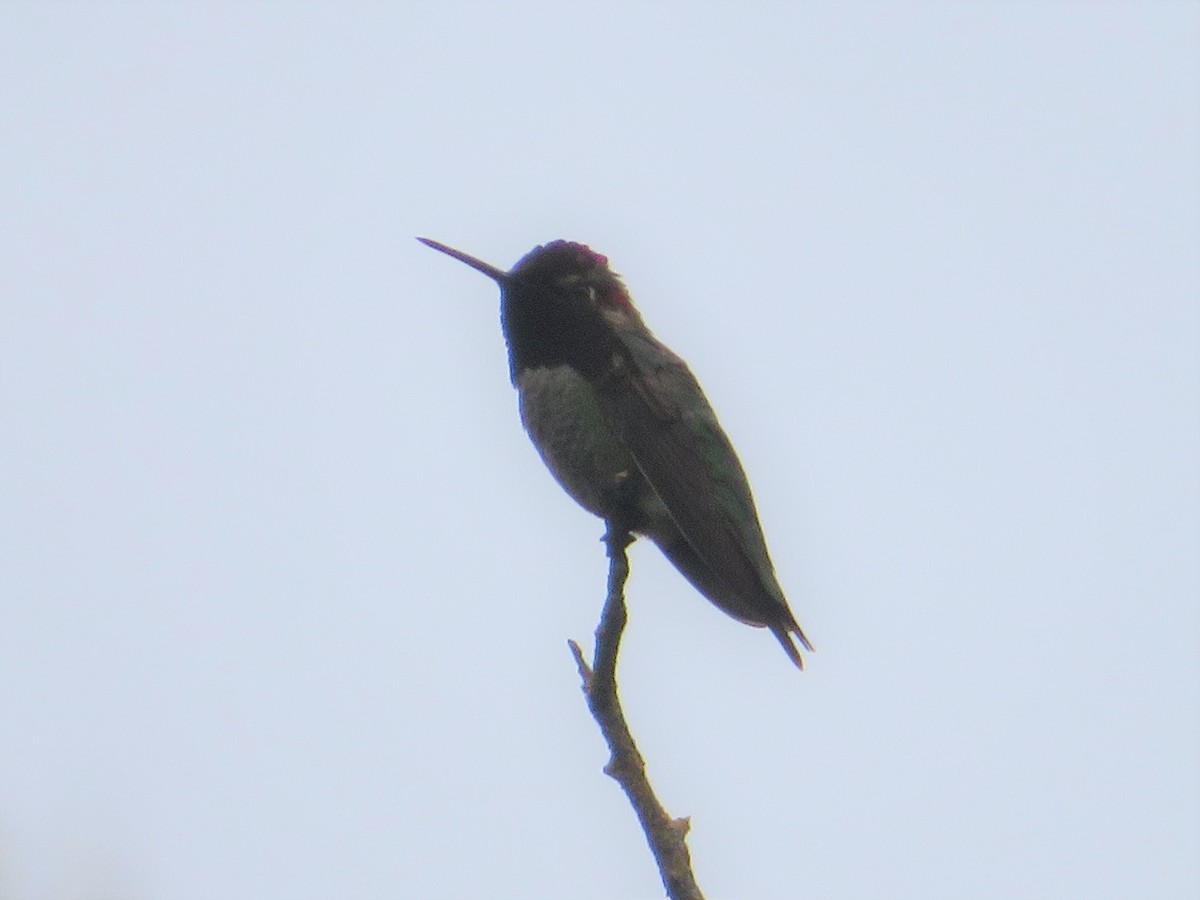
585, 671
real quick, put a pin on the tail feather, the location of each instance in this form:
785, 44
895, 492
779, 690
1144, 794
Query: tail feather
767, 612
784, 636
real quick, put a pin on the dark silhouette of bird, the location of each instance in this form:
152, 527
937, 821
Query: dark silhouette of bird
625, 428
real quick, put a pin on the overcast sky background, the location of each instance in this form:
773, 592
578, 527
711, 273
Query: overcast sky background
286, 591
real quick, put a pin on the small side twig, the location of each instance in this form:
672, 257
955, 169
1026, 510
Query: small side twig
665, 835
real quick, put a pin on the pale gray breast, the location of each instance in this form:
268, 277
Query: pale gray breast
563, 417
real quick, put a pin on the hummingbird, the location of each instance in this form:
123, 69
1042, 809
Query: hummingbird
626, 430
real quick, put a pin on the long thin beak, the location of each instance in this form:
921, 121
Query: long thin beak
497, 275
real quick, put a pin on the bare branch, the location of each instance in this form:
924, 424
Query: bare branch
666, 836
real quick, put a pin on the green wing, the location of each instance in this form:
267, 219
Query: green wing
663, 417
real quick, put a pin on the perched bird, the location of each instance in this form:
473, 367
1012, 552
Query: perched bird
624, 427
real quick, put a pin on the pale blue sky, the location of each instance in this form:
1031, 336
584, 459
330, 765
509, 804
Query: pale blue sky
286, 592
